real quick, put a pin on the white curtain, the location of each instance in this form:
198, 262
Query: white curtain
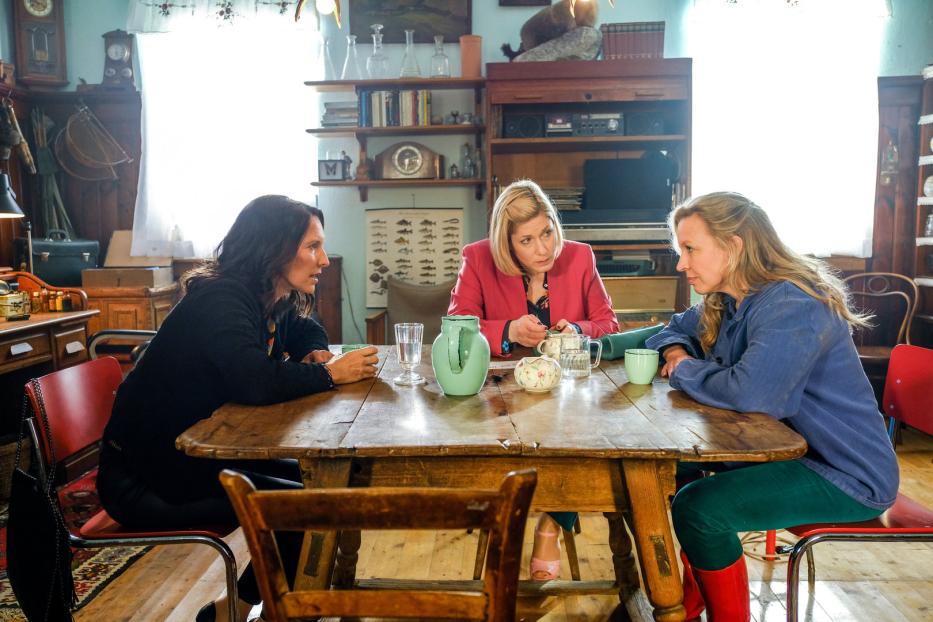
785, 112
224, 113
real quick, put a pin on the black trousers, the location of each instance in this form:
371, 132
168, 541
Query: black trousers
134, 503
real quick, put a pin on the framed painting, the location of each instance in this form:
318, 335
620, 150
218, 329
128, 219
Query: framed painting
450, 18
524, 2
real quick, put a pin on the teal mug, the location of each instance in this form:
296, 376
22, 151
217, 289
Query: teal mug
641, 365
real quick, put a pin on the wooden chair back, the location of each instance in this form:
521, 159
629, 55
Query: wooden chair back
503, 512
892, 298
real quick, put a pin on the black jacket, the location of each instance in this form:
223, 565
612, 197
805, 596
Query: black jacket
211, 349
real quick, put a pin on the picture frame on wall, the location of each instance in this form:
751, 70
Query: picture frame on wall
524, 2
450, 19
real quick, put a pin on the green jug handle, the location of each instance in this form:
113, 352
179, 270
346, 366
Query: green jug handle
453, 348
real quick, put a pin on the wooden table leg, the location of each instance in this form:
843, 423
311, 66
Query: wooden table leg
647, 494
316, 564
622, 559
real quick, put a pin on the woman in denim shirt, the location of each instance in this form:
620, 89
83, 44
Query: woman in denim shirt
772, 335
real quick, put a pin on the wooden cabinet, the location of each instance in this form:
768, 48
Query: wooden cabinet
650, 103
365, 178
136, 308
923, 255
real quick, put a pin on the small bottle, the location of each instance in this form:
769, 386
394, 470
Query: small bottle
377, 65
351, 63
66, 302
440, 64
35, 303
44, 296
58, 301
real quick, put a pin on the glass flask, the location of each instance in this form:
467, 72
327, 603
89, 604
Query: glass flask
377, 65
351, 64
440, 64
410, 68
330, 70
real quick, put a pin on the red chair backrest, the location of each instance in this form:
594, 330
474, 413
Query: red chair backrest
78, 401
908, 388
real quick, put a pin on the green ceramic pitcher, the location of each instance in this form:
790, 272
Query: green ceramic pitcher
460, 355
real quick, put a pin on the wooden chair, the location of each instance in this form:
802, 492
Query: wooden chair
407, 302
77, 402
502, 511
29, 282
892, 298
906, 398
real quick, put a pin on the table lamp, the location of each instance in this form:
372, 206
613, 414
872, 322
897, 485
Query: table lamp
10, 209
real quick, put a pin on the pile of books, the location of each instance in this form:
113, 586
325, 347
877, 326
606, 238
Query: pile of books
395, 108
340, 114
629, 40
565, 199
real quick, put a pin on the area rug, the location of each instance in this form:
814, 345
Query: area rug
93, 569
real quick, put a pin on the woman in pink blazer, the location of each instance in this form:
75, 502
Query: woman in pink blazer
522, 281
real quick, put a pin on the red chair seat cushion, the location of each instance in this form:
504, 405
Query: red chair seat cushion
906, 515
101, 526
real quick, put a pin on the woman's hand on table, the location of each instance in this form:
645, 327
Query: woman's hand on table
673, 356
527, 331
565, 327
352, 366
318, 356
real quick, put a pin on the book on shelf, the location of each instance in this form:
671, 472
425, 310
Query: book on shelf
631, 40
394, 108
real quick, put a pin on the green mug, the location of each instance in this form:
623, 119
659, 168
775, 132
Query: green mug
350, 347
641, 365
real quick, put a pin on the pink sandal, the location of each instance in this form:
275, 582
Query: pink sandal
545, 569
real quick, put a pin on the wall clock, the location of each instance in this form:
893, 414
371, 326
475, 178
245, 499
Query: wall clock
409, 160
118, 60
39, 30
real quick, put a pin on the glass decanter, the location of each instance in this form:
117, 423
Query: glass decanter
330, 70
410, 68
351, 64
377, 65
440, 64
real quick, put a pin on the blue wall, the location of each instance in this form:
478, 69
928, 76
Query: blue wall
908, 47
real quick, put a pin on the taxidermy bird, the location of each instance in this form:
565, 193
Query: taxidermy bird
553, 21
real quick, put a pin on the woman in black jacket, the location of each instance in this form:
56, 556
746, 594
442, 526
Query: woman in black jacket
241, 333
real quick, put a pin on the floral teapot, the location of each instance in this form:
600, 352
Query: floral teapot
537, 374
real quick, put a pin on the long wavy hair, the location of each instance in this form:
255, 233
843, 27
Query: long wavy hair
763, 258
258, 249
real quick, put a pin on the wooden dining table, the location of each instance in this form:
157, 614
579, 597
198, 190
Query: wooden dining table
599, 444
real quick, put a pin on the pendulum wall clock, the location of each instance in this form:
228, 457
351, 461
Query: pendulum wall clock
39, 30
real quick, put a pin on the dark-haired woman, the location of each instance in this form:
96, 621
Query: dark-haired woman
241, 333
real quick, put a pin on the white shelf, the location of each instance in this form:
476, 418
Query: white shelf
924, 281
924, 241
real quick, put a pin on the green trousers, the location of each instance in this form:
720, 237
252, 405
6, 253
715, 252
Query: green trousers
708, 512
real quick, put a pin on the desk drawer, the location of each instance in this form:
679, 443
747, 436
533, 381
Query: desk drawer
24, 350
71, 347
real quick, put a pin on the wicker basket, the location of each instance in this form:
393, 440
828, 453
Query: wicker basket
7, 463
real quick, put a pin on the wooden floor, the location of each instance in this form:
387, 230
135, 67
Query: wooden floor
869, 582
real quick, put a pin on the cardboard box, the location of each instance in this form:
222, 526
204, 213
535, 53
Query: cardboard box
118, 254
641, 294
127, 277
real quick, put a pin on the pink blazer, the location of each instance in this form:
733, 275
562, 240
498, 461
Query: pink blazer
575, 292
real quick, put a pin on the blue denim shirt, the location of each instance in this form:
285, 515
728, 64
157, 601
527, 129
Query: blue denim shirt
786, 354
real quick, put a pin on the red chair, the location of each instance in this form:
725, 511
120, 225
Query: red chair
77, 403
908, 397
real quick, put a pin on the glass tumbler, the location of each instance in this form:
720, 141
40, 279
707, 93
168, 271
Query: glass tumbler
408, 338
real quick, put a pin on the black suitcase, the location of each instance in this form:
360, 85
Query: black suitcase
57, 259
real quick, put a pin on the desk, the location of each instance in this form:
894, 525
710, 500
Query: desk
599, 444
59, 338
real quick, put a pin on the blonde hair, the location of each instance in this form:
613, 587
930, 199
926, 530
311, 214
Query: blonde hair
762, 258
520, 202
